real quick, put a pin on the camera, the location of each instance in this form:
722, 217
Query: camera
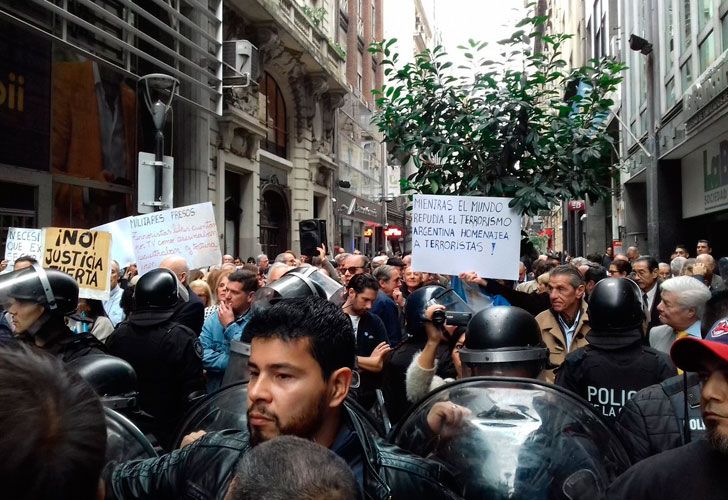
451, 318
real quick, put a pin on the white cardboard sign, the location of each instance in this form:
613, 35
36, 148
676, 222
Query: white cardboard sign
190, 232
23, 241
455, 234
122, 248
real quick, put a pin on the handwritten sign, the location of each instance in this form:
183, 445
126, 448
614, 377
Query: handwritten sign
122, 248
23, 241
190, 232
84, 255
455, 234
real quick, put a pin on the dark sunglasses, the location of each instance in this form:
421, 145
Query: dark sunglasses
352, 269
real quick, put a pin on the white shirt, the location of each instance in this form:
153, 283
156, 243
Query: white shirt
651, 298
113, 306
355, 323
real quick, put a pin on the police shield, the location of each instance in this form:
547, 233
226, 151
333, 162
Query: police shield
519, 439
124, 441
221, 410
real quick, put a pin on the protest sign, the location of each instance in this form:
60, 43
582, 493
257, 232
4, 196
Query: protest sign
122, 248
455, 234
23, 241
190, 232
83, 254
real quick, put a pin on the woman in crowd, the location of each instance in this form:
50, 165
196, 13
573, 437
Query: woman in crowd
91, 317
619, 268
200, 288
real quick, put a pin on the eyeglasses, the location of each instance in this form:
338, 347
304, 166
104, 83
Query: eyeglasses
352, 269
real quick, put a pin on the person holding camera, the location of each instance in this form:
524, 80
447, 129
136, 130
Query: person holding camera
421, 375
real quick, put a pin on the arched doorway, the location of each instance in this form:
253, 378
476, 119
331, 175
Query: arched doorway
274, 221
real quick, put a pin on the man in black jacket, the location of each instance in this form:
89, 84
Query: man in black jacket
696, 470
166, 356
615, 364
301, 365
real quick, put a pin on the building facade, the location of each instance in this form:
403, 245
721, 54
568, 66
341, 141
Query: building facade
72, 116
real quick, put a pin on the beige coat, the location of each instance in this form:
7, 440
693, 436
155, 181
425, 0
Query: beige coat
554, 338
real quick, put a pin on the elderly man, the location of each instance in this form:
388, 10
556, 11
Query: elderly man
275, 271
192, 312
564, 326
353, 265
113, 305
696, 470
228, 259
385, 305
664, 271
286, 258
647, 278
704, 269
682, 305
263, 263
633, 253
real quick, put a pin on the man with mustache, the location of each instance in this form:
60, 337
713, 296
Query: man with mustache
696, 470
302, 360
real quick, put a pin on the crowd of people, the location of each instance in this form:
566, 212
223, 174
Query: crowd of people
642, 343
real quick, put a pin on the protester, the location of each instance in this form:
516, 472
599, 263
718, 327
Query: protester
164, 354
615, 364
696, 470
112, 306
385, 306
371, 335
412, 281
228, 324
565, 325
677, 265
275, 272
202, 290
395, 368
53, 436
703, 247
190, 312
302, 358
704, 269
619, 268
262, 262
682, 305
646, 276
353, 265
91, 317
664, 270
291, 468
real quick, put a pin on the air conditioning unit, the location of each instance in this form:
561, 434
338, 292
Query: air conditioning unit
240, 63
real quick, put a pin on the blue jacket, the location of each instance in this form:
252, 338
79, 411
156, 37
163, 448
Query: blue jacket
388, 312
215, 342
459, 288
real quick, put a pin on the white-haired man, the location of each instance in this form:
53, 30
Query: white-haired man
682, 305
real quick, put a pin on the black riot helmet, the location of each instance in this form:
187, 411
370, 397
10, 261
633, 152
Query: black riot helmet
615, 305
113, 379
156, 290
503, 341
56, 291
300, 282
457, 312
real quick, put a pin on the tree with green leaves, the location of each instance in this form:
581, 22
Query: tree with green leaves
523, 126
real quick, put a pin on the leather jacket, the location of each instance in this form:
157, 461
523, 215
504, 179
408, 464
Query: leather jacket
204, 469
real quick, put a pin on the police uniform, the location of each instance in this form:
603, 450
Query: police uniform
615, 364
166, 356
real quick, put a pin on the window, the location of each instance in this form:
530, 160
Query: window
706, 51
686, 75
669, 38
670, 93
706, 11
276, 140
724, 30
686, 32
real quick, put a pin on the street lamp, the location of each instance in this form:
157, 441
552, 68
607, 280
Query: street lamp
159, 90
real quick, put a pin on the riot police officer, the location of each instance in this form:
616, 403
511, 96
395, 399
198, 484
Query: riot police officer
165, 355
615, 364
503, 341
37, 301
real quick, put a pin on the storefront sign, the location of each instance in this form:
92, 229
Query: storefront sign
360, 209
455, 234
84, 255
705, 179
577, 206
23, 241
190, 232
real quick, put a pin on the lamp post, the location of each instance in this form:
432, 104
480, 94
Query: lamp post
159, 90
